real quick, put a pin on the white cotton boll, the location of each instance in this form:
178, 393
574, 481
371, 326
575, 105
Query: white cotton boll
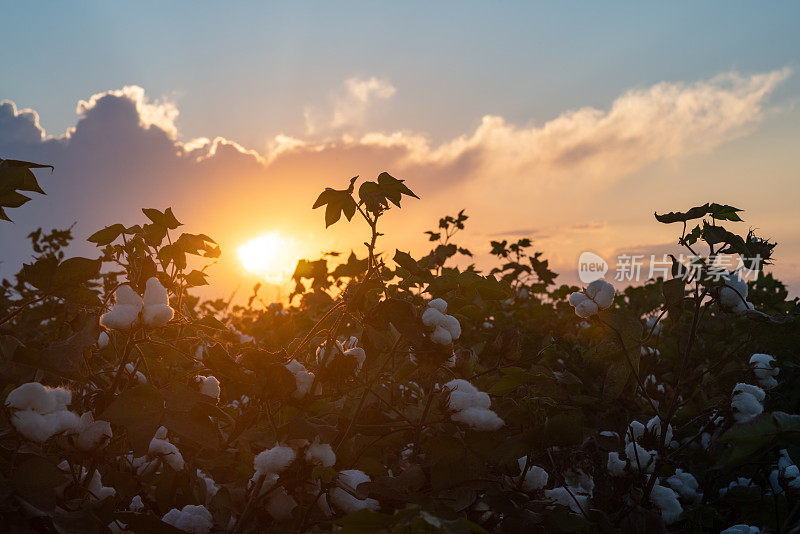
125, 312
586, 308
303, 379
577, 297
65, 421
209, 386
32, 425
136, 504
343, 500
453, 326
764, 369
741, 529
140, 378
169, 453
535, 478
280, 505
741, 482
432, 317
666, 500
92, 434
438, 304
461, 400
359, 354
441, 336
31, 396
637, 429
459, 384
746, 402
615, 465
654, 427
274, 460
156, 312
191, 518
97, 490
734, 293
574, 502
685, 485
320, 454
601, 292
103, 340
479, 419
640, 458
210, 486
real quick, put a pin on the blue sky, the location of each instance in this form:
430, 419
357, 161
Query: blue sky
569, 121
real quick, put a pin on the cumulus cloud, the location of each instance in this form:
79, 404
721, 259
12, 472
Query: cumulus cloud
126, 152
349, 106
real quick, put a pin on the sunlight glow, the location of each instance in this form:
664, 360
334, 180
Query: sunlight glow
271, 255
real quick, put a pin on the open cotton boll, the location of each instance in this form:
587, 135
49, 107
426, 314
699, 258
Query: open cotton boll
96, 489
320, 454
461, 400
139, 376
343, 500
666, 500
616, 465
208, 482
654, 427
685, 485
601, 292
755, 391
459, 384
764, 369
432, 317
157, 311
136, 504
209, 385
441, 336
575, 502
733, 293
640, 458
125, 312
479, 419
103, 340
741, 529
92, 434
586, 308
191, 518
438, 304
280, 504
452, 325
303, 379
35, 396
33, 425
359, 354
162, 448
274, 460
535, 478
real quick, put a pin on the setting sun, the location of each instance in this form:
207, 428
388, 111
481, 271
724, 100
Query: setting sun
271, 255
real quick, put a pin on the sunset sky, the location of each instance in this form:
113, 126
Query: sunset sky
569, 122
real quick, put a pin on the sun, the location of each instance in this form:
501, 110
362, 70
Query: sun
271, 256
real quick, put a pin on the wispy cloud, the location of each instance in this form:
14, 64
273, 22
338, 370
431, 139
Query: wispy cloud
349, 106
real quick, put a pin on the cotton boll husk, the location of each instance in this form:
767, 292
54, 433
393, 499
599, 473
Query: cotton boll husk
479, 419
280, 505
438, 304
432, 317
344, 501
453, 326
586, 308
535, 478
274, 460
321, 454
103, 340
441, 336
601, 292
461, 400
666, 500
191, 518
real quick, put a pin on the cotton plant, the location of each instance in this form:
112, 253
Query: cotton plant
747, 402
765, 371
348, 348
446, 328
160, 452
320, 454
576, 494
93, 484
535, 478
597, 296
786, 472
195, 519
471, 406
269, 463
130, 368
304, 379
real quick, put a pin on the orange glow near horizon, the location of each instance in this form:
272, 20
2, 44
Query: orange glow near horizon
271, 256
